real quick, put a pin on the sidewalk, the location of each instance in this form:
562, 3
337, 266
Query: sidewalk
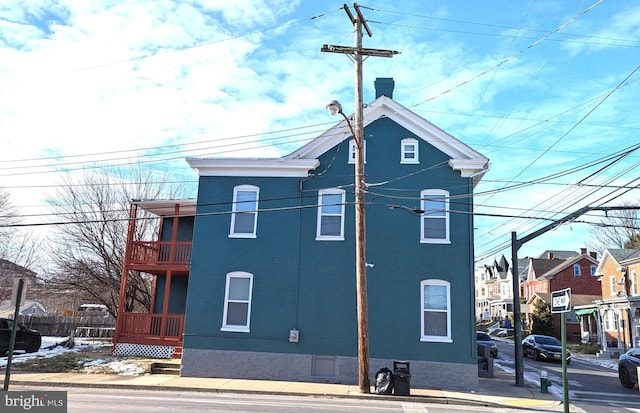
499, 391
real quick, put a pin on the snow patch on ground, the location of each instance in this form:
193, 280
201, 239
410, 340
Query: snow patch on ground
51, 347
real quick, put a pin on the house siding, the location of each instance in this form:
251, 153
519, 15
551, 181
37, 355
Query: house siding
306, 284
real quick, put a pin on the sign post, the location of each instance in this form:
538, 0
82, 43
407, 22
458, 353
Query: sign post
17, 293
561, 303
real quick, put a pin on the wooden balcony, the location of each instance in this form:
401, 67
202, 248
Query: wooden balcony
155, 329
160, 254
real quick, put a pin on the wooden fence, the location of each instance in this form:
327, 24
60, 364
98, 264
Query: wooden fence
62, 326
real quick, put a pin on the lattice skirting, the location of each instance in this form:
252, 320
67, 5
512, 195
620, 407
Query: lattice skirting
144, 350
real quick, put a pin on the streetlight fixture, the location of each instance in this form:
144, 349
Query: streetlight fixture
334, 107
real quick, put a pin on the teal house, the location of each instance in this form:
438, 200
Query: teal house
272, 289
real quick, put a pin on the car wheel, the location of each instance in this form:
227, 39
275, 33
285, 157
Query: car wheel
625, 378
568, 362
537, 354
33, 346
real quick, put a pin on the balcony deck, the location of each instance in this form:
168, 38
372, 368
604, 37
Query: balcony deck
154, 329
152, 256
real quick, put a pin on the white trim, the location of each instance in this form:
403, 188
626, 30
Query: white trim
235, 211
283, 167
330, 191
576, 270
431, 338
424, 197
403, 152
463, 158
233, 327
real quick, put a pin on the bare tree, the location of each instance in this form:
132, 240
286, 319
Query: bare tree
619, 229
18, 247
90, 239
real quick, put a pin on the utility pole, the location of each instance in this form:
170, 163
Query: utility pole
356, 54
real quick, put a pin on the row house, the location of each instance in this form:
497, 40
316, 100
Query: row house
577, 272
618, 309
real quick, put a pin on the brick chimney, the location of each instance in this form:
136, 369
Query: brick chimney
583, 251
384, 86
594, 255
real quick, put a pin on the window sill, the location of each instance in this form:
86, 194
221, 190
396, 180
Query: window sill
242, 236
435, 241
436, 340
236, 329
329, 238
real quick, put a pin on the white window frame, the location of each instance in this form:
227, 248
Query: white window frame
593, 270
635, 287
610, 321
433, 338
321, 213
245, 328
404, 152
237, 209
352, 151
425, 196
576, 269
612, 286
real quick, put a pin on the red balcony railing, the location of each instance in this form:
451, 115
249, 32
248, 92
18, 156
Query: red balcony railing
151, 328
159, 253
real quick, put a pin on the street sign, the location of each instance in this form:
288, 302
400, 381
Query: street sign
561, 301
14, 292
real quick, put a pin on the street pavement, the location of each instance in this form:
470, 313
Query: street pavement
496, 392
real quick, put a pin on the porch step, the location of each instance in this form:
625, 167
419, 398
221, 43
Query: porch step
168, 367
177, 353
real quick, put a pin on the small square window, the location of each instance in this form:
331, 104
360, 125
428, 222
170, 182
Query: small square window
409, 151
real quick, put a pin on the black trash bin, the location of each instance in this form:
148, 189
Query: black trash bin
401, 378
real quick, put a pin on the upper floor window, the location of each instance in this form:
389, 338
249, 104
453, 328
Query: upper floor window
330, 214
435, 216
612, 284
245, 211
352, 151
237, 302
409, 151
593, 270
576, 269
635, 288
436, 311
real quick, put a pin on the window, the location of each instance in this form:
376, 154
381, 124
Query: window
635, 288
610, 321
612, 284
409, 151
237, 302
435, 218
245, 212
436, 314
593, 270
330, 214
352, 151
576, 269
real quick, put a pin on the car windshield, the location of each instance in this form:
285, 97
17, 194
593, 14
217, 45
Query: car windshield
483, 337
548, 340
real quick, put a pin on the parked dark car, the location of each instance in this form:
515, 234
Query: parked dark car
543, 348
26, 340
627, 368
485, 339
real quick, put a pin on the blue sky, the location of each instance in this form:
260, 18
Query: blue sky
547, 90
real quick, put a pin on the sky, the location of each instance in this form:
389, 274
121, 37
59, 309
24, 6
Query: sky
547, 90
